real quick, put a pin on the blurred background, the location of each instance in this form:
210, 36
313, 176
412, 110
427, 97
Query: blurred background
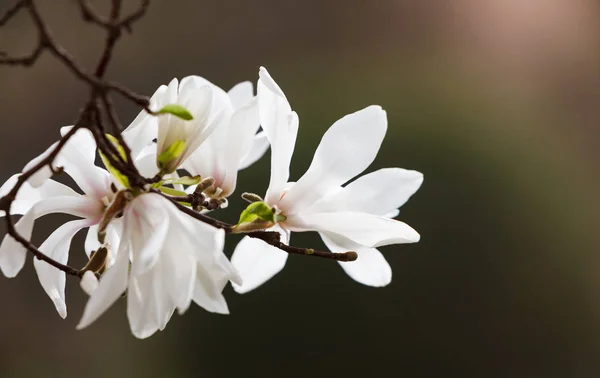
497, 102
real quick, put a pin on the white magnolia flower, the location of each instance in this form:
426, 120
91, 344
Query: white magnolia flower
175, 259
77, 158
355, 217
207, 106
233, 145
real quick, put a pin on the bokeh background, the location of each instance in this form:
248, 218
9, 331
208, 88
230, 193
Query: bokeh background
495, 101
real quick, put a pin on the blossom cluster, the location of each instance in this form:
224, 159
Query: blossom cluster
192, 144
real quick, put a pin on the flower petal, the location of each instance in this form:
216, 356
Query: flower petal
38, 178
240, 94
56, 246
27, 195
144, 127
148, 305
257, 261
347, 148
280, 124
260, 145
13, 253
89, 283
146, 224
370, 269
112, 285
83, 141
379, 193
239, 140
362, 228
208, 295
91, 240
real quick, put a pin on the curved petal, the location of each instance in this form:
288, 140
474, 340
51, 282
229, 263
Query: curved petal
112, 285
144, 127
240, 137
347, 148
208, 295
83, 141
370, 269
27, 195
91, 240
260, 145
240, 94
148, 305
362, 228
379, 193
280, 124
13, 253
89, 282
57, 247
146, 225
257, 261
38, 178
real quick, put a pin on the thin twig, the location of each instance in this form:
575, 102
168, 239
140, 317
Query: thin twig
11, 12
269, 237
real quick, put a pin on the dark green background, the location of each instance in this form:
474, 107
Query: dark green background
497, 109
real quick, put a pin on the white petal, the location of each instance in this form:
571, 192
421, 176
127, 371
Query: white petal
280, 124
362, 228
91, 240
144, 127
27, 195
112, 284
207, 295
13, 253
146, 225
380, 193
240, 94
240, 138
38, 178
257, 261
370, 269
260, 145
148, 305
83, 141
347, 148
56, 246
89, 283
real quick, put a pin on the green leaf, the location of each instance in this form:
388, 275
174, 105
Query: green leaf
185, 180
171, 153
172, 192
257, 210
176, 110
113, 171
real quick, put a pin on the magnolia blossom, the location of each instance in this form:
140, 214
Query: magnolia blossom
207, 106
355, 217
233, 145
77, 158
166, 259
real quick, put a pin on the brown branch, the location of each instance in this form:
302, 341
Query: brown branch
269, 237
89, 118
11, 12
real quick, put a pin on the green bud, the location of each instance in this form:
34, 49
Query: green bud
176, 110
173, 152
251, 197
113, 171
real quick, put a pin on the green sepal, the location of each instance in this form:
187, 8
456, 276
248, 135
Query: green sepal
172, 152
172, 192
257, 210
185, 180
176, 110
113, 171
